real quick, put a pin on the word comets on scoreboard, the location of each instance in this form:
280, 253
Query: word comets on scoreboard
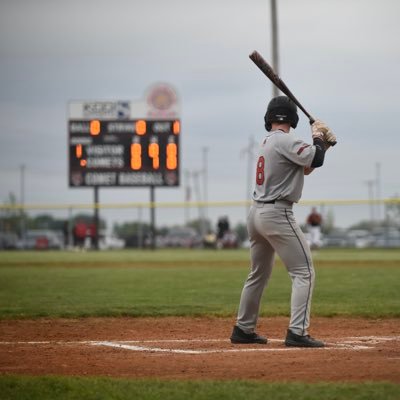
123, 143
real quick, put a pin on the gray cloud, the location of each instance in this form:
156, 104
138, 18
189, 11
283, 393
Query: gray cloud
340, 57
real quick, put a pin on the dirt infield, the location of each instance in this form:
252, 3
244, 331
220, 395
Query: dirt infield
198, 348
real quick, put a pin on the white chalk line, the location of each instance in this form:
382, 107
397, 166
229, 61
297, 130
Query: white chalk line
331, 346
130, 341
182, 351
350, 343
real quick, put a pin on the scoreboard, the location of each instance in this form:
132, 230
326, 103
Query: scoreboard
124, 153
122, 143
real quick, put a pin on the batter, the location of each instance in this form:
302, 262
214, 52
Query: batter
282, 162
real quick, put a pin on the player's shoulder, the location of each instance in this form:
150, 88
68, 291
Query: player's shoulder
273, 136
286, 139
291, 144
280, 139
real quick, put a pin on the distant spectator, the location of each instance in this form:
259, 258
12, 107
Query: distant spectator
314, 222
80, 231
222, 227
226, 239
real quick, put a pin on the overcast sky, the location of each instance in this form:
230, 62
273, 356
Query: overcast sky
341, 58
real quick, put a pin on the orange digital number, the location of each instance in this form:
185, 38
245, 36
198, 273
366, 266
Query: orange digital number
140, 127
176, 127
136, 156
94, 127
154, 153
172, 156
78, 151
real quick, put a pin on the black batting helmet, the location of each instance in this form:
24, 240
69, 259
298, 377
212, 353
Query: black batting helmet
281, 109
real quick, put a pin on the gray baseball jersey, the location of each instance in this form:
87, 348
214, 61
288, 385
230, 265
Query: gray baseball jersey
280, 167
272, 228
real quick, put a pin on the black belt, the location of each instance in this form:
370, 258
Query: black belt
267, 202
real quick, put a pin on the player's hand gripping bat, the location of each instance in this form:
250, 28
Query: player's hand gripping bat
258, 59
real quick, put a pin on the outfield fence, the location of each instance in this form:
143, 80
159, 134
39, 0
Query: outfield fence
381, 216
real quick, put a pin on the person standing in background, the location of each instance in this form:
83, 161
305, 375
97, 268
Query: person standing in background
314, 222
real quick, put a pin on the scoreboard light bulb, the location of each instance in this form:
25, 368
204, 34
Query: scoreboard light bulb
140, 127
83, 163
176, 127
94, 127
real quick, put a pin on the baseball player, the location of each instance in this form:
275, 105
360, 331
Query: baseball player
282, 162
314, 222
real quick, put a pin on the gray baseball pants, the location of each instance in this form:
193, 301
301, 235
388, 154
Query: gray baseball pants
273, 228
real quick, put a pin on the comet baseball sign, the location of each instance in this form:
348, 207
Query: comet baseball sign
125, 143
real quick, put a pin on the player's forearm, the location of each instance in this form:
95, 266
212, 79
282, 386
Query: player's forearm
319, 156
308, 170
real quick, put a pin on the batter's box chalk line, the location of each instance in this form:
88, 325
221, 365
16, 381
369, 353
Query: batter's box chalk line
354, 343
161, 345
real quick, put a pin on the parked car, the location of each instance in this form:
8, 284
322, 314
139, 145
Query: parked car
111, 242
338, 238
8, 240
42, 239
181, 237
386, 237
359, 238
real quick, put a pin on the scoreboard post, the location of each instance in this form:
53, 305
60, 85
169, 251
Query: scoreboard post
125, 143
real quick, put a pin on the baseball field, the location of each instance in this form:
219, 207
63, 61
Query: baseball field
156, 325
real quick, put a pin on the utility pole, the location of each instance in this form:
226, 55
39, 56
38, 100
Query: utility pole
275, 43
152, 218
140, 228
370, 184
378, 190
188, 195
205, 181
96, 218
22, 200
195, 175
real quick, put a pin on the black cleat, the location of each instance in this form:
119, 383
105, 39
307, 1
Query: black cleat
293, 340
238, 336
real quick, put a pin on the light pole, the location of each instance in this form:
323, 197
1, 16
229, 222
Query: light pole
274, 42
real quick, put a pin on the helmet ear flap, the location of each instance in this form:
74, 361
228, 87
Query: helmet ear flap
295, 121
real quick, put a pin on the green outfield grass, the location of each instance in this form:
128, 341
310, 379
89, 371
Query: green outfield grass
184, 282
66, 388
187, 282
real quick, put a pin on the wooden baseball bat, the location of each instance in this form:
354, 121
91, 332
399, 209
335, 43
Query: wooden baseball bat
259, 60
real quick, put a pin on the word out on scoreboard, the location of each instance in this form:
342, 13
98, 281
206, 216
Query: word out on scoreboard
125, 143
